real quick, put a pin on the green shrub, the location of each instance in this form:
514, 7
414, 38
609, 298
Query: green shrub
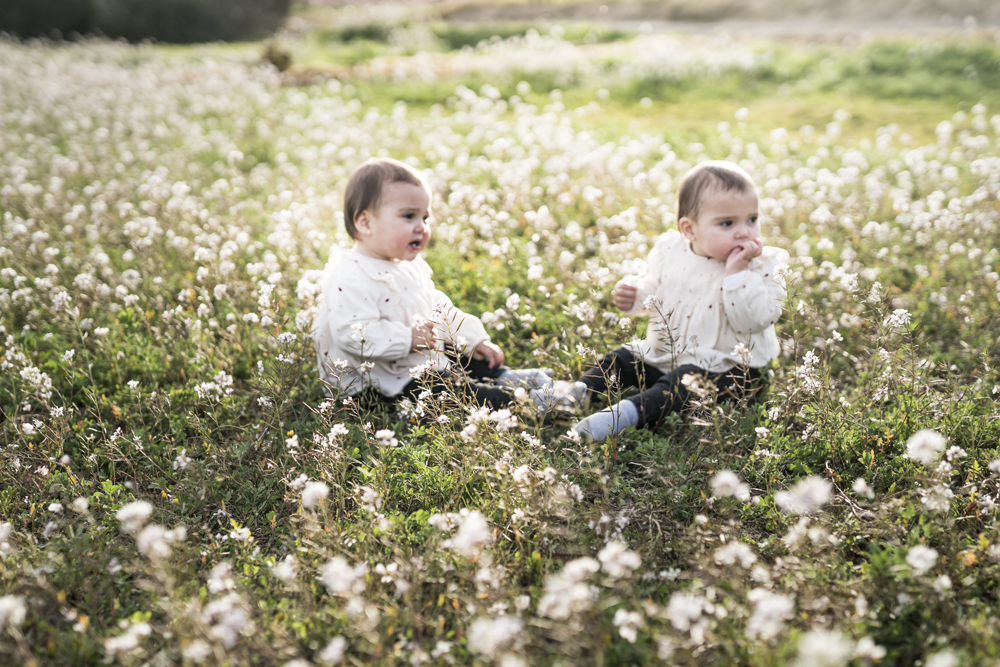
38, 18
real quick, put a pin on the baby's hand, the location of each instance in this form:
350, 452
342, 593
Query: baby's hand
739, 258
423, 335
624, 296
490, 352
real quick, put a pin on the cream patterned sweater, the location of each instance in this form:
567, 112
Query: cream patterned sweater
702, 314
365, 317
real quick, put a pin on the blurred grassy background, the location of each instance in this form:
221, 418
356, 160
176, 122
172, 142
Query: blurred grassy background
940, 59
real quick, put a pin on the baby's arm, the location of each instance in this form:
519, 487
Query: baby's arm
357, 325
752, 298
458, 327
631, 292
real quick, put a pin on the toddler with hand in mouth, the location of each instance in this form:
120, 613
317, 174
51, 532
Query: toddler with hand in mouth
713, 293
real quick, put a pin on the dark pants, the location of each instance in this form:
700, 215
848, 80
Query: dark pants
662, 393
468, 384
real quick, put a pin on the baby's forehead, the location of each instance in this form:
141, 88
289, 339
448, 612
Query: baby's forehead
716, 189
404, 193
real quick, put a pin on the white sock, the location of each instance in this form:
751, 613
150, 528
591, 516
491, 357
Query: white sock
609, 421
533, 378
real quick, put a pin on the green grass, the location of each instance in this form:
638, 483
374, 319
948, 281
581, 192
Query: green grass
884, 82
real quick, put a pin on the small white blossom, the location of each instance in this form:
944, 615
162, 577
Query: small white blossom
286, 569
806, 497
334, 651
726, 483
921, 558
134, 515
944, 658
490, 636
617, 560
925, 446
12, 612
313, 493
341, 578
386, 438
824, 648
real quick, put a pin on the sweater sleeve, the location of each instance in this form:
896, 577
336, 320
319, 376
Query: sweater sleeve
752, 299
456, 326
646, 284
356, 325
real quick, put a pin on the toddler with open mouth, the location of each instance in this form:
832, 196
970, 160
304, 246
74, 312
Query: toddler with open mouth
382, 323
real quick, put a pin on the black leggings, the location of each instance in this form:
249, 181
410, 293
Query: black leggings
662, 393
468, 384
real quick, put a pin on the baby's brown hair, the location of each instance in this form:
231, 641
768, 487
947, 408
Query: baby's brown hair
717, 173
365, 186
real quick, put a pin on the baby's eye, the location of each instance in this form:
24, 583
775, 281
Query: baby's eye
726, 223
753, 220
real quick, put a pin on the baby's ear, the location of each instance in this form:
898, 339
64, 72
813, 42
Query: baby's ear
362, 222
686, 227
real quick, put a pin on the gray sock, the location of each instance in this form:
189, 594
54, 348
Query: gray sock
532, 378
609, 421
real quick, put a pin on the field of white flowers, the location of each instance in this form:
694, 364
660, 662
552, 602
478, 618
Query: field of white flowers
177, 488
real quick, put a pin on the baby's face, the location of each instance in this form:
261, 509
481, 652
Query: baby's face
398, 228
727, 220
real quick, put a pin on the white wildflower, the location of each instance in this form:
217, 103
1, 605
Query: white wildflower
197, 651
726, 483
945, 658
472, 535
334, 651
899, 318
134, 515
628, 624
386, 438
220, 578
313, 493
861, 488
925, 446
868, 650
770, 611
806, 497
12, 611
734, 552
341, 578
182, 460
824, 648
617, 560
490, 636
286, 569
921, 558
566, 594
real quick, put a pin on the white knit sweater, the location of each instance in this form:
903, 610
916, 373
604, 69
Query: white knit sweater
707, 313
369, 306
